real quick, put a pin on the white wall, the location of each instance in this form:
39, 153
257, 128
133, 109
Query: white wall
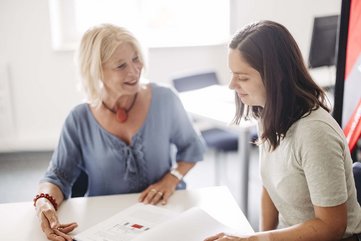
42, 83
297, 16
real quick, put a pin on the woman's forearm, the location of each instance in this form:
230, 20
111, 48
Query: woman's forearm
184, 167
53, 190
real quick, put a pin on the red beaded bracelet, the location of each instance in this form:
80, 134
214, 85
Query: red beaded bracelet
47, 196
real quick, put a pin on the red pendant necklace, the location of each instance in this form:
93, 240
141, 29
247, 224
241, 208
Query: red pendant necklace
121, 114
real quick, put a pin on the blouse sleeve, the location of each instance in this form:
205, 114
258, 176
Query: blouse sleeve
64, 166
189, 142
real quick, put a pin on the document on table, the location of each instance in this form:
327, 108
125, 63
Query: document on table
142, 222
127, 224
192, 225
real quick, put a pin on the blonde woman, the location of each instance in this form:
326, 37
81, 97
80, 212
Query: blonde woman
122, 137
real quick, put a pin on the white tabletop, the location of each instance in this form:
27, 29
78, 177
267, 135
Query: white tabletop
216, 103
18, 221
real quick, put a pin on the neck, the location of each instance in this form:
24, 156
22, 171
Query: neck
121, 114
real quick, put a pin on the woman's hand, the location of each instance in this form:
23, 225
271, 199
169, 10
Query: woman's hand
163, 189
50, 223
159, 191
224, 237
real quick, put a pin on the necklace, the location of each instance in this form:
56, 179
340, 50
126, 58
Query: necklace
121, 114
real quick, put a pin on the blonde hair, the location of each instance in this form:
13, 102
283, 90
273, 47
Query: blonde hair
96, 47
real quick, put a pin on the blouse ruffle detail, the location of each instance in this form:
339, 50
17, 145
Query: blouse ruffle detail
135, 165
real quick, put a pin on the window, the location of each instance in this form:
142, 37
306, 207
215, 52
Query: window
156, 23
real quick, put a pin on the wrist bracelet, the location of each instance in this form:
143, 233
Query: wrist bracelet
47, 196
177, 174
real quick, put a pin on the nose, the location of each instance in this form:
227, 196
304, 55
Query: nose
231, 84
134, 69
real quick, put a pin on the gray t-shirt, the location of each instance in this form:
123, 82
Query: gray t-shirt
311, 166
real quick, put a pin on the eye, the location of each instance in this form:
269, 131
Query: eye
136, 59
243, 79
122, 66
240, 78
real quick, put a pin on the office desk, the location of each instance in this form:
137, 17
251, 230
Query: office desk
216, 104
18, 221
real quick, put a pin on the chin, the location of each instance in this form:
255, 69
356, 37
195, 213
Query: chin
244, 100
248, 103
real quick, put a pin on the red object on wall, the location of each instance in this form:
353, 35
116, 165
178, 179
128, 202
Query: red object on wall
354, 36
353, 127
352, 86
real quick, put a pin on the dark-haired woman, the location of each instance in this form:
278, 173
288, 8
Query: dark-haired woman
306, 169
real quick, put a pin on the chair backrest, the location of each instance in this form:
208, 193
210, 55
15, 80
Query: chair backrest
80, 186
356, 168
196, 81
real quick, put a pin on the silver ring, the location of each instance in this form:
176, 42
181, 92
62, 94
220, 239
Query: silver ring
160, 193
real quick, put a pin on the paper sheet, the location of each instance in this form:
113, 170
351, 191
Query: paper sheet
142, 222
127, 224
192, 225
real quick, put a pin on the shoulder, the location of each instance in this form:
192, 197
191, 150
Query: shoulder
77, 113
318, 126
164, 93
317, 139
318, 119
162, 89
79, 110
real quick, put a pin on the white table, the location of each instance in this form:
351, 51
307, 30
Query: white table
18, 221
216, 104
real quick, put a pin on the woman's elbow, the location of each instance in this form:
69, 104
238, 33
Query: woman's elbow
340, 229
338, 226
334, 220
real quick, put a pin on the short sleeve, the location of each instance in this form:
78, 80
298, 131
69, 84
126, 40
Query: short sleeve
64, 166
322, 159
188, 140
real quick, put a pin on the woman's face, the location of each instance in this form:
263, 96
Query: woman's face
246, 81
121, 73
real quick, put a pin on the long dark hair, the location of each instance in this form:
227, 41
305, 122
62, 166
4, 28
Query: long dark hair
291, 92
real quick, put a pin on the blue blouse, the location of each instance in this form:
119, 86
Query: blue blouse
114, 167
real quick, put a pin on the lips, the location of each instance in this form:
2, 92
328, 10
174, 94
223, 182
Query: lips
131, 82
240, 95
